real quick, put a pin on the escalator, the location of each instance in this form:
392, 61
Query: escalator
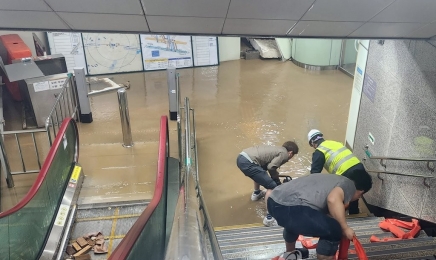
33, 228
48, 219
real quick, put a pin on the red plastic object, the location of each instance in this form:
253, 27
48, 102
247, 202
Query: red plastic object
306, 242
343, 249
393, 225
15, 49
8, 38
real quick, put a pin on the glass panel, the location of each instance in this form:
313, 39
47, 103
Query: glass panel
349, 55
147, 236
23, 233
151, 241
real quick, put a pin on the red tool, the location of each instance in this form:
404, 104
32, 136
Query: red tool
393, 225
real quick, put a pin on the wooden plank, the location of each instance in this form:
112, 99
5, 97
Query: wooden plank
85, 250
83, 257
82, 242
76, 246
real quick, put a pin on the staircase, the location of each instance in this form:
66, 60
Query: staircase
258, 242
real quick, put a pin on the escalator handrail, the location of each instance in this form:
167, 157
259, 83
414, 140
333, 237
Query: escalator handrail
123, 249
44, 169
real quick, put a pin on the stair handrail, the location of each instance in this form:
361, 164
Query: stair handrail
188, 235
216, 251
409, 159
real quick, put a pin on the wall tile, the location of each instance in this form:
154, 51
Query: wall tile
413, 190
424, 58
416, 145
387, 92
415, 120
392, 57
371, 121
429, 202
375, 194
394, 200
402, 119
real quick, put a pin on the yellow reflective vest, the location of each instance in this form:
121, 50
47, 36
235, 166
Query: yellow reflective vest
338, 158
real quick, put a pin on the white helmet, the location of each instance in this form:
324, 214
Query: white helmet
313, 133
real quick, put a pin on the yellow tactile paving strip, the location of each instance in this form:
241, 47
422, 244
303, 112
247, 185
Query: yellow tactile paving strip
114, 225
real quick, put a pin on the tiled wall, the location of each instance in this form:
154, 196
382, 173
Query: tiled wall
399, 110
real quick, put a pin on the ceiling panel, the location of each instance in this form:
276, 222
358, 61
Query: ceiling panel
426, 31
257, 27
384, 30
412, 11
31, 20
105, 22
271, 9
346, 10
324, 29
195, 8
97, 6
24, 5
192, 25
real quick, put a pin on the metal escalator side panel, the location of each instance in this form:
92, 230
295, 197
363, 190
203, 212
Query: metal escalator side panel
59, 233
28, 224
185, 240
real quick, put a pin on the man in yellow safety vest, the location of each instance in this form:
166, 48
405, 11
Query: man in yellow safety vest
335, 158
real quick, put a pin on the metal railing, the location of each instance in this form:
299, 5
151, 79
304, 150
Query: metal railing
122, 104
193, 227
6, 168
382, 159
66, 105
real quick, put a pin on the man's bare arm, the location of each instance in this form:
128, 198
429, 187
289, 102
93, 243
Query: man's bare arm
335, 203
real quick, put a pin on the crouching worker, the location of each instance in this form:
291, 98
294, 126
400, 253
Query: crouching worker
314, 205
255, 161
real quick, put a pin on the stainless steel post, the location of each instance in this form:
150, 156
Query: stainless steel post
125, 119
172, 95
187, 136
179, 118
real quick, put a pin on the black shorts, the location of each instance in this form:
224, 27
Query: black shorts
255, 172
303, 220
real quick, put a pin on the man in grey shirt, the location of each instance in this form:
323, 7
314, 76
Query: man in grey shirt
255, 161
314, 205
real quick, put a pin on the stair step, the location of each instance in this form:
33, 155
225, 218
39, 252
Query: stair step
260, 235
258, 242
